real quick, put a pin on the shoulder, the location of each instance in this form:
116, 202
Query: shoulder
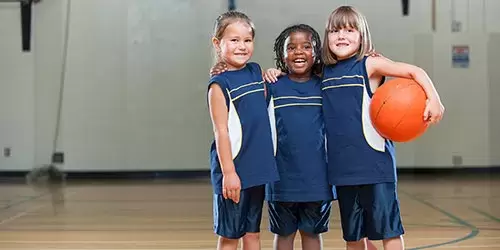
371, 61
219, 80
328, 69
316, 83
315, 79
276, 86
282, 81
254, 67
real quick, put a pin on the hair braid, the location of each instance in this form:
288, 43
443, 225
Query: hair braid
279, 44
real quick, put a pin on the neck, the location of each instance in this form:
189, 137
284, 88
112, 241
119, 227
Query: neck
231, 67
300, 78
234, 68
346, 57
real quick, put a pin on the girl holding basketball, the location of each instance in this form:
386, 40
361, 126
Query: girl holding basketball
361, 163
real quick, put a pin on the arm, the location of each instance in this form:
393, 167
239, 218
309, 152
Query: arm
218, 68
381, 66
218, 112
271, 75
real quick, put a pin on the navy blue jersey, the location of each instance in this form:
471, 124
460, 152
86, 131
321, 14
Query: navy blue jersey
300, 156
249, 128
357, 154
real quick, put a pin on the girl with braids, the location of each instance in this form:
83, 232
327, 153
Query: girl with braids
301, 200
241, 163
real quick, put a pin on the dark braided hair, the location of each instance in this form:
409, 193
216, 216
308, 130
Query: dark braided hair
279, 44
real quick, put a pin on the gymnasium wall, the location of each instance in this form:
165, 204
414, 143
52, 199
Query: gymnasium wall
136, 72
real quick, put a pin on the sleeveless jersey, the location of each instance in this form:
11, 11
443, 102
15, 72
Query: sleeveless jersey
357, 154
301, 156
249, 125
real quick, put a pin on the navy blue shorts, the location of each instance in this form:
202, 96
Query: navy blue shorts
369, 211
286, 218
234, 220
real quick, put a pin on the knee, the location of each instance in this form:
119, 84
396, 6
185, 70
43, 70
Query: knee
394, 242
360, 244
285, 237
228, 242
252, 236
304, 234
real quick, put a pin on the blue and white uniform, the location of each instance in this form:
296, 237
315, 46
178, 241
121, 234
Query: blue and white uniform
361, 163
301, 199
253, 151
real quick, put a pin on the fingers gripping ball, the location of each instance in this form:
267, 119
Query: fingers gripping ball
397, 110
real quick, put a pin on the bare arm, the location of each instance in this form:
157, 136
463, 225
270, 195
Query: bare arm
381, 66
385, 67
219, 116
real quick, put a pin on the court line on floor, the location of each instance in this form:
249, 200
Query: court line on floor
26, 211
21, 214
264, 248
178, 242
485, 214
22, 201
166, 229
473, 233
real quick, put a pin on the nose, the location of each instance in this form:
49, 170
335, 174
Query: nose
298, 51
341, 34
241, 46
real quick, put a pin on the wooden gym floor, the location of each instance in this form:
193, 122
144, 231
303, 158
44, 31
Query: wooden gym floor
440, 213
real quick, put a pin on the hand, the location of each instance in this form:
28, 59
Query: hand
433, 112
218, 69
231, 187
271, 75
373, 53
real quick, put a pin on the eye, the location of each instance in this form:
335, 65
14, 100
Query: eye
248, 40
233, 40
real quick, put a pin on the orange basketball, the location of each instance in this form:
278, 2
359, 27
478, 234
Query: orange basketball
397, 110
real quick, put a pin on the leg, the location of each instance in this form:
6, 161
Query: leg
369, 245
383, 217
351, 217
284, 242
233, 221
314, 219
227, 244
254, 198
283, 223
311, 241
251, 241
396, 243
356, 245
364, 244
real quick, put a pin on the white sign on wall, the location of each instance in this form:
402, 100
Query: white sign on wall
460, 56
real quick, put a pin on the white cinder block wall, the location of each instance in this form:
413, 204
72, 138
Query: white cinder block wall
135, 82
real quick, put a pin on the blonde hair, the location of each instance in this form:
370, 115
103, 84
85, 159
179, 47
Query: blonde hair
225, 20
343, 17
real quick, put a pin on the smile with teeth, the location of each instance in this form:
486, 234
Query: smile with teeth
299, 61
342, 44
